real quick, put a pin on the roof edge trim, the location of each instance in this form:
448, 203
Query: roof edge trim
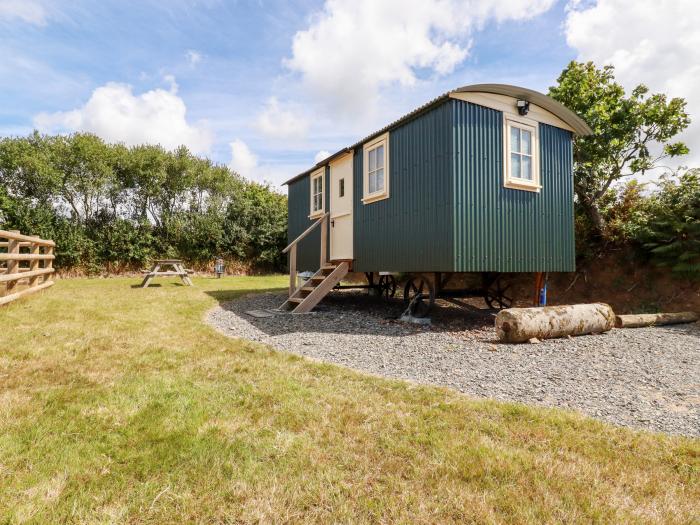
535, 97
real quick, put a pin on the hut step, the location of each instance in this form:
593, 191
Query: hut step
322, 283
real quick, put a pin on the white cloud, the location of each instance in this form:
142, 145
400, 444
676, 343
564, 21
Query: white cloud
193, 57
321, 155
247, 164
116, 114
351, 50
652, 42
277, 122
29, 11
243, 160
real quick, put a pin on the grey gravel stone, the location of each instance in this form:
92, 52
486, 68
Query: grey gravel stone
646, 378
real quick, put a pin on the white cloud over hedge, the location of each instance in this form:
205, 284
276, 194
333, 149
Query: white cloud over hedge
116, 114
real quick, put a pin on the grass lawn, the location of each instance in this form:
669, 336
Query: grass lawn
119, 404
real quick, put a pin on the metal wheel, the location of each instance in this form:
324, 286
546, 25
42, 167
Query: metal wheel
387, 286
419, 296
498, 295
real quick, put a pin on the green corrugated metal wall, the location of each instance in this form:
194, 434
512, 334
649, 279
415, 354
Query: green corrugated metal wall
412, 229
508, 230
448, 209
299, 204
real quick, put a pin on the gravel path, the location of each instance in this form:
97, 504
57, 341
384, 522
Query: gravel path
645, 378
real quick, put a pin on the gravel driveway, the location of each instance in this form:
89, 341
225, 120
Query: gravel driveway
645, 378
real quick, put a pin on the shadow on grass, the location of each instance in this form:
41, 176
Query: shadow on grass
225, 296
157, 285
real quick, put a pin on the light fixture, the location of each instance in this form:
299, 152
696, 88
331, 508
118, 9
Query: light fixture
523, 107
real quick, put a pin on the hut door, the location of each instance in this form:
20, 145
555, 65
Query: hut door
340, 192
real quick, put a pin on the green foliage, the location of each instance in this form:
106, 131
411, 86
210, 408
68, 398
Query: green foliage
123, 241
664, 224
258, 223
668, 225
109, 205
631, 134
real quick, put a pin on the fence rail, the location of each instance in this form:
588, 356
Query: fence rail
26, 265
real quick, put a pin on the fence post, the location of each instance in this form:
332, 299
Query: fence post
49, 262
34, 265
12, 265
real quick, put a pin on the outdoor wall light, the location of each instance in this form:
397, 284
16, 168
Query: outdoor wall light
523, 107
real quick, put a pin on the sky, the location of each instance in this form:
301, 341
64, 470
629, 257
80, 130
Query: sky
271, 87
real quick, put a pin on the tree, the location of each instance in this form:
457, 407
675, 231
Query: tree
256, 225
76, 171
85, 166
26, 168
631, 134
144, 174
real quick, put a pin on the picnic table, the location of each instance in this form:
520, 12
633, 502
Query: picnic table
178, 269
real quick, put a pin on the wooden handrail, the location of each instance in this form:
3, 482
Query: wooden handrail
24, 273
306, 232
13, 296
26, 257
23, 244
14, 236
292, 250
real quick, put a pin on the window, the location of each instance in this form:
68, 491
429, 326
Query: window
521, 162
376, 169
341, 188
317, 200
520, 153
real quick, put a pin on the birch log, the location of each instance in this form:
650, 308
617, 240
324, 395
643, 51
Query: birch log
518, 325
639, 320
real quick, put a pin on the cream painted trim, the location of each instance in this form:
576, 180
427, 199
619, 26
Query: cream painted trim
511, 182
367, 197
321, 172
507, 106
340, 158
343, 158
375, 198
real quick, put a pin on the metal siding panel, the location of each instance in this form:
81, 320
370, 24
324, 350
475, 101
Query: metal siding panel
412, 229
299, 204
501, 229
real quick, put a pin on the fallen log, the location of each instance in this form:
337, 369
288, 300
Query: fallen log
640, 320
518, 325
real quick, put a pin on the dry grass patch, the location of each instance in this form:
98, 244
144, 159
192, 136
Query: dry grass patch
125, 407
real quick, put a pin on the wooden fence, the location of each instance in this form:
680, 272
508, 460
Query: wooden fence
26, 265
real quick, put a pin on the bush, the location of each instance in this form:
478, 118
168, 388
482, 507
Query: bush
667, 225
661, 223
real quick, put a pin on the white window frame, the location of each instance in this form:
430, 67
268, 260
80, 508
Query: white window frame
515, 182
367, 197
320, 173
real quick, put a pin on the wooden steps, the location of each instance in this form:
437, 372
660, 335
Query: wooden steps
304, 299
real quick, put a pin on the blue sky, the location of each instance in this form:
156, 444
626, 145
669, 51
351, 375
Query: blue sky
265, 86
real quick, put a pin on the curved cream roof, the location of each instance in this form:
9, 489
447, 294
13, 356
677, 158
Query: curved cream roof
535, 97
577, 124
